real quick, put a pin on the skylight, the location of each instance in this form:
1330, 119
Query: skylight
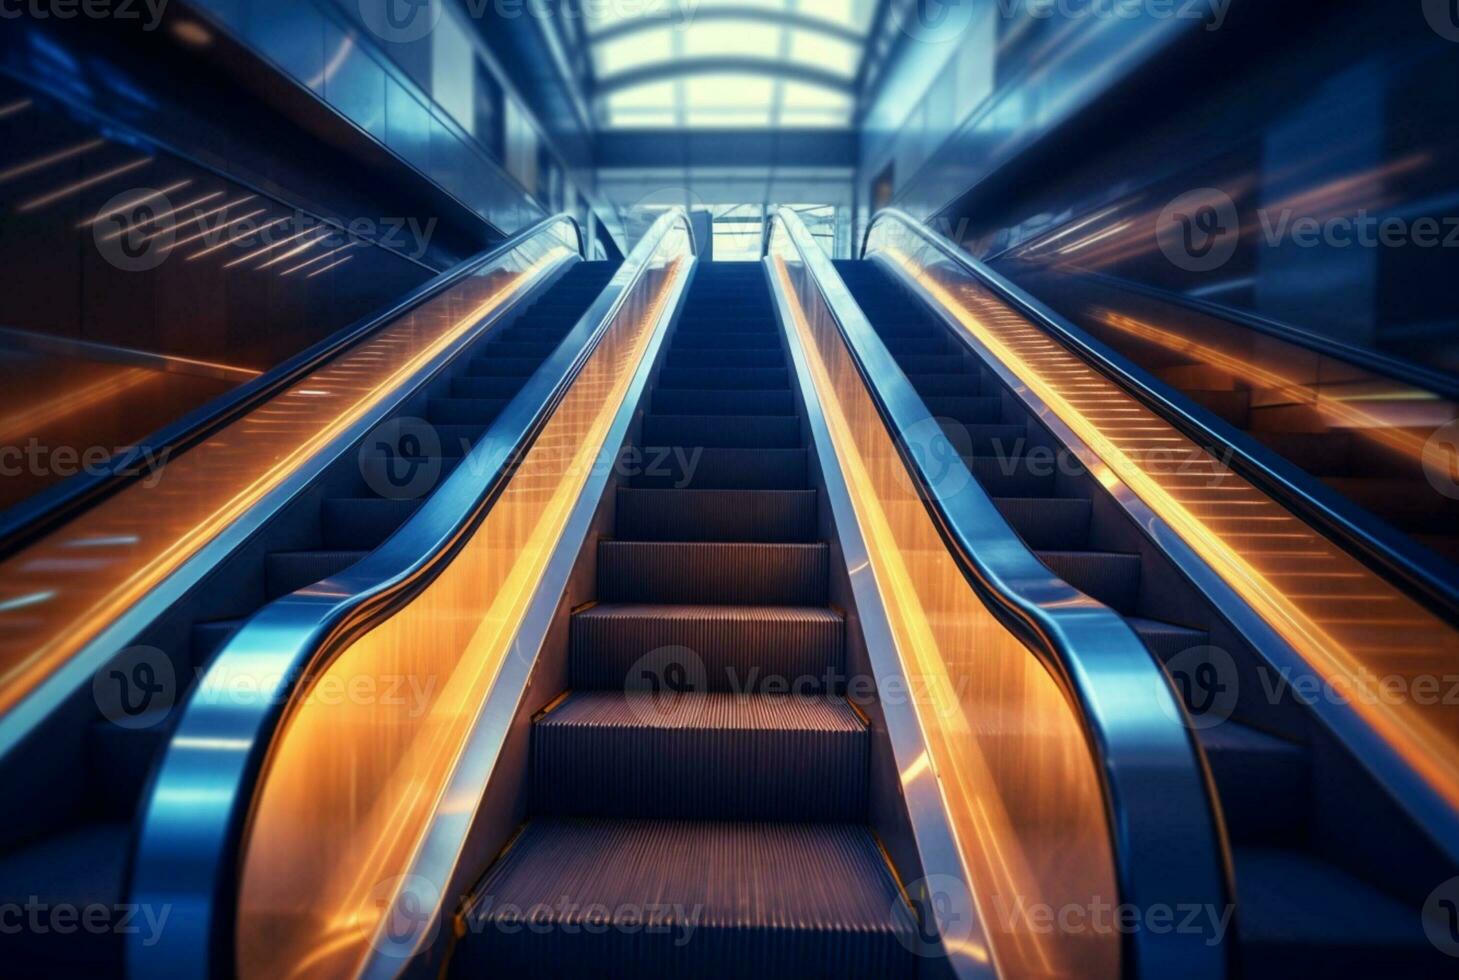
718, 64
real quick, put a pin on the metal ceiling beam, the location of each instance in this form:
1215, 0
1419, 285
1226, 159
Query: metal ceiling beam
659, 71
686, 18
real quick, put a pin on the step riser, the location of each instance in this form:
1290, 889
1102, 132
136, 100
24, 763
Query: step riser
728, 469
684, 773
723, 431
732, 656
771, 575
680, 515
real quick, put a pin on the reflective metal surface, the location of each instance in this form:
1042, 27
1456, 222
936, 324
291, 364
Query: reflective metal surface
74, 597
362, 695
1055, 737
1370, 649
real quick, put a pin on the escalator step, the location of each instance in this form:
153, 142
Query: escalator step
987, 438
686, 401
967, 409
1301, 916
700, 756
539, 349
721, 324
362, 522
1110, 577
1005, 476
722, 431
716, 357
716, 515
769, 340
1048, 522
712, 573
489, 366
958, 362
946, 381
76, 868
732, 900
1167, 640
742, 649
119, 759
476, 387
464, 411
719, 468
289, 571
1264, 783
699, 379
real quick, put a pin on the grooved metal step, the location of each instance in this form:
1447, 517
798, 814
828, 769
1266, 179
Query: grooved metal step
744, 649
700, 756
712, 573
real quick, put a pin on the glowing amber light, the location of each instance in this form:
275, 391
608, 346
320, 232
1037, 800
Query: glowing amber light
1007, 748
167, 518
1364, 638
353, 784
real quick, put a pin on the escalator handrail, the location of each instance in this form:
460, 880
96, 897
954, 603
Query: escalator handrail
197, 872
1141, 748
1329, 514
33, 518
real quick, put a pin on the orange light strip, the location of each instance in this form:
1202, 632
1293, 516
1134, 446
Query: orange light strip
61, 193
41, 163
195, 497
1342, 412
1283, 575
28, 422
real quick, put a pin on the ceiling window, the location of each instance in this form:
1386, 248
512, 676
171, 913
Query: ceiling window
717, 64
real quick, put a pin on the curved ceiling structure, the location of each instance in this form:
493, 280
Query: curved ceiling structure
767, 64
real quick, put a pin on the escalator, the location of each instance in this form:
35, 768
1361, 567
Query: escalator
99, 749
1361, 431
676, 784
1317, 890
